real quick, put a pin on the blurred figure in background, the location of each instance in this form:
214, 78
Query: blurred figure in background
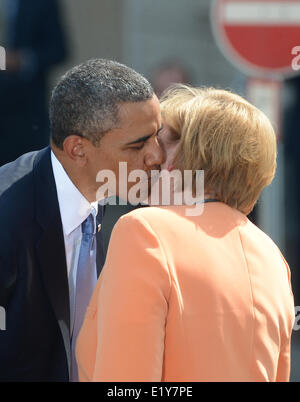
32, 34
168, 73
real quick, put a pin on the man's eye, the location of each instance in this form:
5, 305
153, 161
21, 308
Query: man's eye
140, 147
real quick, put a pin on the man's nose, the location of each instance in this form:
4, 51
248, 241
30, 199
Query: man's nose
156, 154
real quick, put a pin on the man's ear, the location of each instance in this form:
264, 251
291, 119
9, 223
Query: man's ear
75, 148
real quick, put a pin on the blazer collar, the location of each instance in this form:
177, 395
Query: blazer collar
50, 247
74, 207
47, 207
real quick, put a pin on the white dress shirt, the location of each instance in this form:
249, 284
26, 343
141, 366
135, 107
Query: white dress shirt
74, 209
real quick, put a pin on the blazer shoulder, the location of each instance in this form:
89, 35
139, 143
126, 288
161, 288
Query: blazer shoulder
17, 185
160, 220
12, 173
152, 213
149, 215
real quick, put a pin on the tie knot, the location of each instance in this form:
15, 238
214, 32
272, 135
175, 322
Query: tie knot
89, 225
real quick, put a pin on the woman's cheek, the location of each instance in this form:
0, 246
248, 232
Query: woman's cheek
170, 155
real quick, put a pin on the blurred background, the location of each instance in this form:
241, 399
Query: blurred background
165, 40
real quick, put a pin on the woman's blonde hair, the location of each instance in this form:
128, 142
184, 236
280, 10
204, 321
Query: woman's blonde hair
227, 137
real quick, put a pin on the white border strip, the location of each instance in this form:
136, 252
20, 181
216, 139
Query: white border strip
261, 13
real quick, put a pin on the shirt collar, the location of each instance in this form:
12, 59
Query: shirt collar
74, 207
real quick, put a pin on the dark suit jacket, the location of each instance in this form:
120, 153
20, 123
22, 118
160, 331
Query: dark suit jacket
24, 124
33, 276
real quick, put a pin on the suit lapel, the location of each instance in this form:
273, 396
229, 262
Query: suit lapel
51, 249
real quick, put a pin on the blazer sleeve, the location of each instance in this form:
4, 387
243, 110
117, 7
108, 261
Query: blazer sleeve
284, 359
132, 305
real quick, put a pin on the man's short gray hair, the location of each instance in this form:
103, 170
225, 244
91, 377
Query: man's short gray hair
86, 100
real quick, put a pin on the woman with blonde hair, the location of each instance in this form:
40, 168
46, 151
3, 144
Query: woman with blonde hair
196, 298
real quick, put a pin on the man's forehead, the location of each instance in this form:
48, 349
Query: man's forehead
137, 120
142, 109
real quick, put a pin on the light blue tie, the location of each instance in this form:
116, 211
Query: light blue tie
86, 280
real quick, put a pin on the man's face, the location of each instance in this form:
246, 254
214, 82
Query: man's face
134, 141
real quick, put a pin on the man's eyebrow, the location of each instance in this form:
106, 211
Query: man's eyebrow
145, 138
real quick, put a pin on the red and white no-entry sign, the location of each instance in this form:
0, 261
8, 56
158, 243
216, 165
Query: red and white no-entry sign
258, 35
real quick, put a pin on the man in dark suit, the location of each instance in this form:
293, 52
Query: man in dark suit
101, 113
31, 32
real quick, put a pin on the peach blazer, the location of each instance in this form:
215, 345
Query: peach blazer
204, 298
